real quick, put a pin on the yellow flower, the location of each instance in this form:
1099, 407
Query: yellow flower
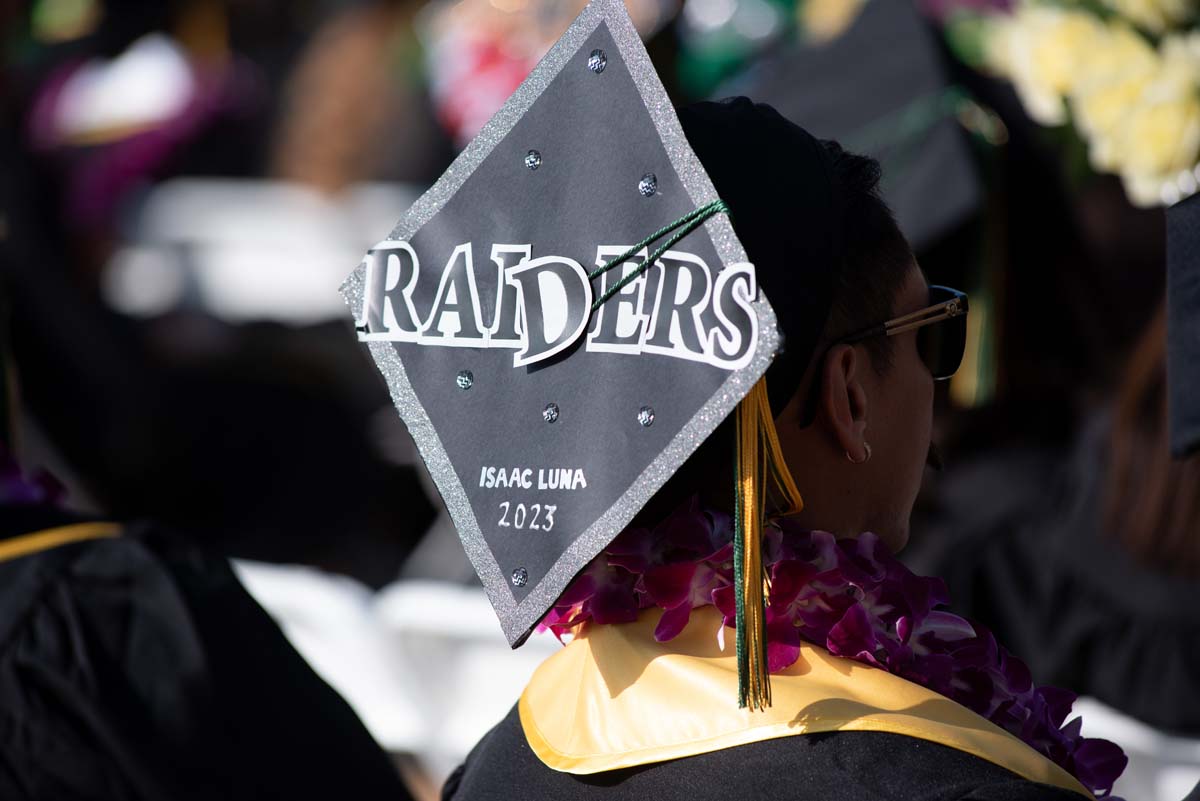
1113, 79
1156, 136
1182, 51
1042, 50
1138, 107
1143, 190
1155, 15
1161, 137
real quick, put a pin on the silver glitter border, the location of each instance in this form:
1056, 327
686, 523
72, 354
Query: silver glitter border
518, 619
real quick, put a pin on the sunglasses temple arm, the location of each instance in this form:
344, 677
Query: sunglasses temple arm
854, 339
900, 329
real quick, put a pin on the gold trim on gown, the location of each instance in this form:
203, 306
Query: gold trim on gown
614, 698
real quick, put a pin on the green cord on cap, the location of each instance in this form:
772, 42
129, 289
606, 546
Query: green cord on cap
687, 223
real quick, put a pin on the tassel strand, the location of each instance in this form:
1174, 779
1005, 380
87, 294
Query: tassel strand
758, 451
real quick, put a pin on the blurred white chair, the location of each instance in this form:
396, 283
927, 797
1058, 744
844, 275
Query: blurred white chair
330, 620
1161, 767
248, 249
423, 663
455, 655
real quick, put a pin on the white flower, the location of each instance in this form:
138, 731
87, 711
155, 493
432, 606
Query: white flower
1143, 190
1112, 82
1042, 49
1157, 135
1155, 16
1138, 107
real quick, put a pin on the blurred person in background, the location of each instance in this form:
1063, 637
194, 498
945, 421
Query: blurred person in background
356, 106
132, 662
1091, 575
1065, 525
216, 428
133, 665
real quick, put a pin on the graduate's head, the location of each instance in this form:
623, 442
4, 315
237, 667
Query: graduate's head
853, 403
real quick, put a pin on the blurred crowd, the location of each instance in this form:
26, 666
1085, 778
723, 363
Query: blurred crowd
186, 183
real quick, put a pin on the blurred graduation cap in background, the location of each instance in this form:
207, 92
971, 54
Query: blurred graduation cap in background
879, 88
1183, 326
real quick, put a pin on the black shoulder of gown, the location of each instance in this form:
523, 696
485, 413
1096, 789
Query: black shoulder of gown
137, 667
856, 766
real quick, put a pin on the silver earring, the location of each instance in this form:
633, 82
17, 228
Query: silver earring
865, 459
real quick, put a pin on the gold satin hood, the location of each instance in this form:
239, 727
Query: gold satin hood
614, 698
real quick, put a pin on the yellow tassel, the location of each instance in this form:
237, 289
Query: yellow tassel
757, 451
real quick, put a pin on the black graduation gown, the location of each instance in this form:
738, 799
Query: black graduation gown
138, 667
1020, 541
863, 766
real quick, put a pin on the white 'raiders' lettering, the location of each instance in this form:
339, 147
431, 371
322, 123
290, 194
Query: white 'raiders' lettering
541, 306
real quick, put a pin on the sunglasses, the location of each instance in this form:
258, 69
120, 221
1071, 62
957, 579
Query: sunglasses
941, 331
941, 338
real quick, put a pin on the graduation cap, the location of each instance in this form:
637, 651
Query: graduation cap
563, 319
903, 112
1183, 326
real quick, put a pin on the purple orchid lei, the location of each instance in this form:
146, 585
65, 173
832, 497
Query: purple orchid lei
850, 596
19, 489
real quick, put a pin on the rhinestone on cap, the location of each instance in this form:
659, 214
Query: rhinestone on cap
646, 416
550, 413
597, 61
465, 379
520, 577
648, 185
533, 159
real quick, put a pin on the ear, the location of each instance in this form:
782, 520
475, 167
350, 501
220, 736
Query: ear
843, 406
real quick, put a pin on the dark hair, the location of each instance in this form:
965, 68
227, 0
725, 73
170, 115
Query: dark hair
870, 262
874, 257
1153, 501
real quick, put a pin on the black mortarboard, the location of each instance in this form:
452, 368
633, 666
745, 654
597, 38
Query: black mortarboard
547, 408
1183, 325
880, 89
776, 179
